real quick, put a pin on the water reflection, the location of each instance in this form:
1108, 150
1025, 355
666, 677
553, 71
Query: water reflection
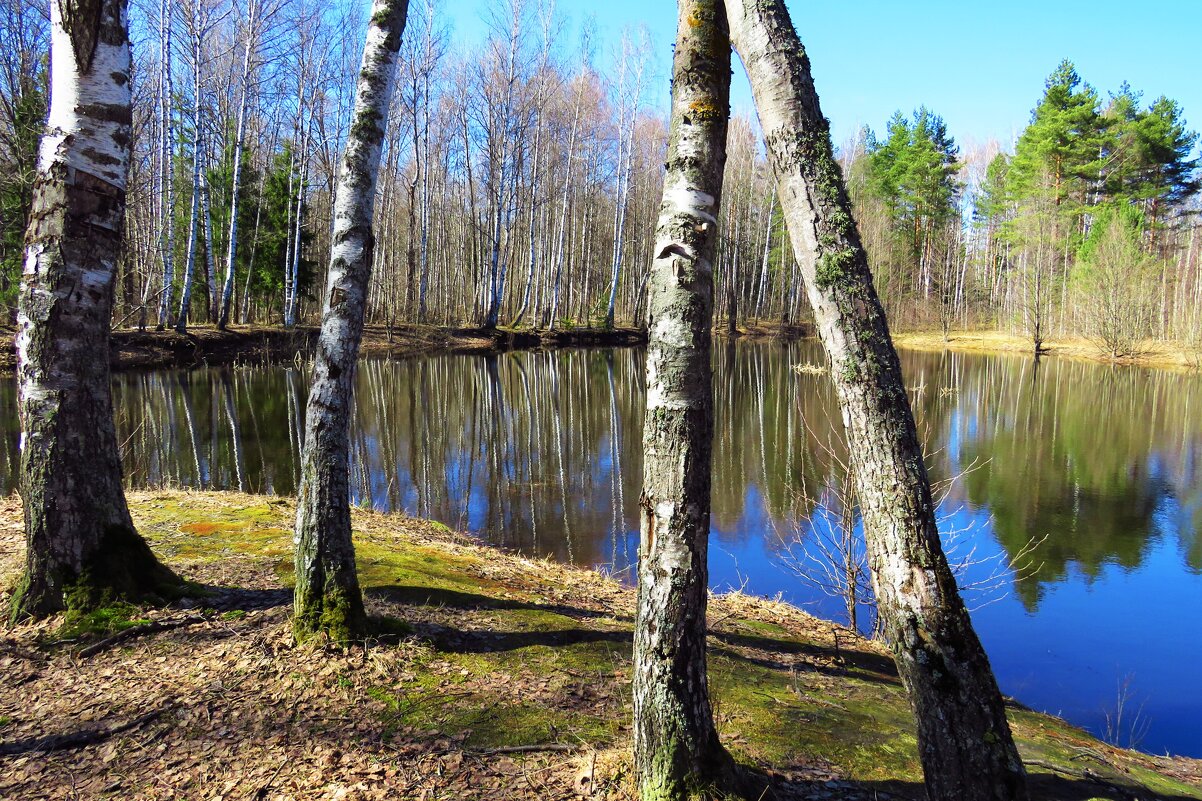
540, 452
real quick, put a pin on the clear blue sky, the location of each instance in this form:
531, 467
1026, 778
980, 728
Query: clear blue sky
981, 65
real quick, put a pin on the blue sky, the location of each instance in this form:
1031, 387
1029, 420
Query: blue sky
980, 65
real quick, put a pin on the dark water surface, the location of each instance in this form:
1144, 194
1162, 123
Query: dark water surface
540, 452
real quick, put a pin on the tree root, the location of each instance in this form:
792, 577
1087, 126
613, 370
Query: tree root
79, 739
137, 631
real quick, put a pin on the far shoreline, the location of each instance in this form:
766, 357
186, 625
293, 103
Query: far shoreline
206, 346
1161, 354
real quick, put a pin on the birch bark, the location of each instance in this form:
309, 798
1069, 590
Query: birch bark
676, 745
964, 738
227, 285
83, 549
328, 599
167, 167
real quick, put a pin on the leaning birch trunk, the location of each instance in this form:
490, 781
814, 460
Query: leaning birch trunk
676, 745
965, 743
82, 546
328, 599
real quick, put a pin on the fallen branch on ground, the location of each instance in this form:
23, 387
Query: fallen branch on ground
62, 742
529, 749
1125, 784
137, 631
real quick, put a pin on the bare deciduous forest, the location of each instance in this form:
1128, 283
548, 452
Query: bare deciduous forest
520, 185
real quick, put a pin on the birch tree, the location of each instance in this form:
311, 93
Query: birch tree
675, 742
198, 28
251, 32
327, 596
965, 743
629, 96
83, 549
166, 164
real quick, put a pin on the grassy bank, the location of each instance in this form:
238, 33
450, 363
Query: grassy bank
1173, 355
205, 345
498, 677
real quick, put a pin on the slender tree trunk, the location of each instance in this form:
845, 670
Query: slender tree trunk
82, 546
676, 745
185, 299
964, 739
167, 165
328, 599
210, 259
227, 285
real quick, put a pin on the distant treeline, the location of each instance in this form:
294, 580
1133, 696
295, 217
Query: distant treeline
521, 184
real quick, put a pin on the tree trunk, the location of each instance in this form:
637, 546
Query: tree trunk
185, 298
167, 165
328, 599
82, 547
964, 739
227, 285
676, 745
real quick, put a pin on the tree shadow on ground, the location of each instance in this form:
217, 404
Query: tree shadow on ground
1042, 786
450, 634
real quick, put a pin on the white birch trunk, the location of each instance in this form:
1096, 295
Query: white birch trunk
185, 298
227, 284
677, 752
167, 165
327, 598
82, 547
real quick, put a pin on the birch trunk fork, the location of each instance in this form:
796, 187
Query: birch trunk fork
328, 599
965, 743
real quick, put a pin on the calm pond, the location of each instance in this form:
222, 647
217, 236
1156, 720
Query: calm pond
1100, 467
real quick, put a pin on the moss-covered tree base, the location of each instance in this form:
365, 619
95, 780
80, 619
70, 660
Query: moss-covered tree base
335, 614
121, 568
723, 779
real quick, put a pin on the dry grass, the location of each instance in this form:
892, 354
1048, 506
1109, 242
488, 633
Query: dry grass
1153, 353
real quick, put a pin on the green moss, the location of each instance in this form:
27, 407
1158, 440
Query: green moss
782, 703
99, 622
337, 614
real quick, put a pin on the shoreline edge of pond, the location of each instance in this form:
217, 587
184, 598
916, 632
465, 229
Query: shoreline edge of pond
529, 658
206, 346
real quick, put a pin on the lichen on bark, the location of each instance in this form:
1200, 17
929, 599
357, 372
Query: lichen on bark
677, 751
964, 738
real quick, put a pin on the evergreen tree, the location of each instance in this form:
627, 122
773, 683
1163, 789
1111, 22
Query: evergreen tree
913, 172
1148, 154
1062, 145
